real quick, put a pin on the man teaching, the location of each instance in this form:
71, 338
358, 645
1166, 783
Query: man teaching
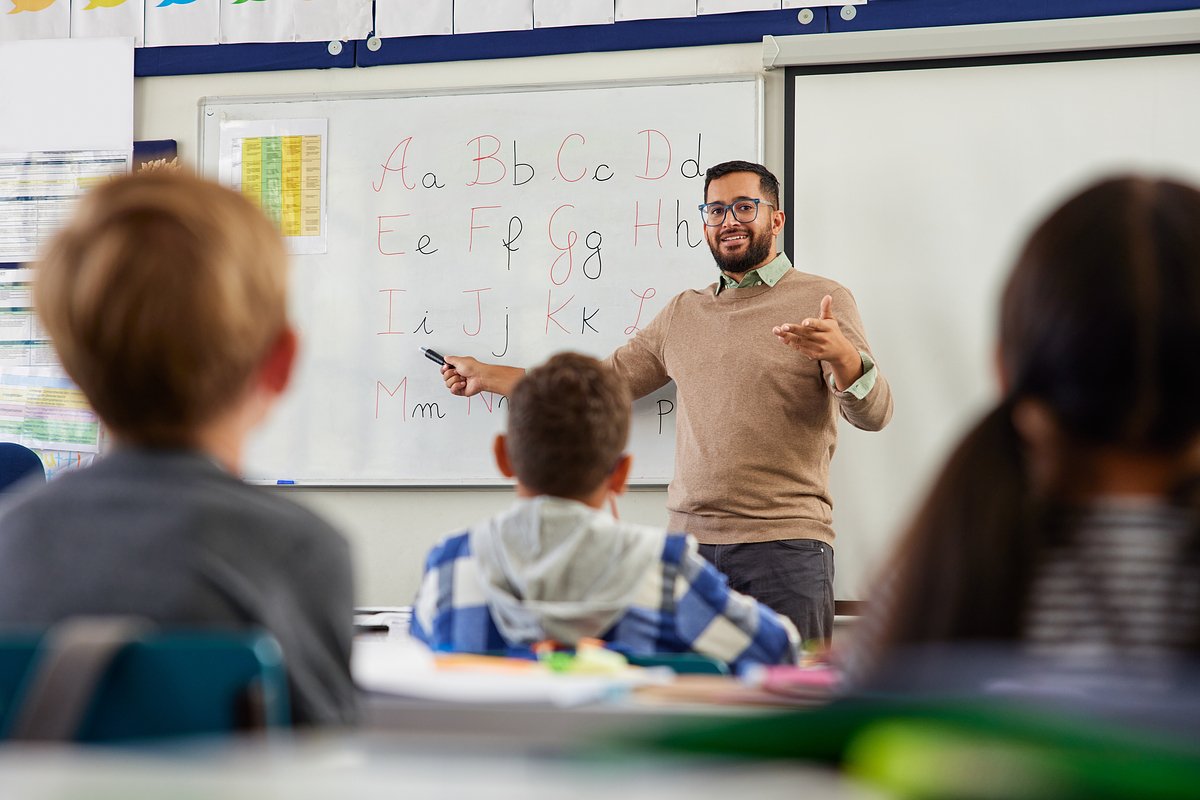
758, 398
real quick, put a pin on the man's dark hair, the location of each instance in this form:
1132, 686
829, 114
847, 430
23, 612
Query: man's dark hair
766, 179
568, 423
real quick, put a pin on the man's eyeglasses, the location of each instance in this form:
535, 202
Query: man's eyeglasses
744, 210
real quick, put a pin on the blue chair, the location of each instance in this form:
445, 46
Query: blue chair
135, 685
18, 462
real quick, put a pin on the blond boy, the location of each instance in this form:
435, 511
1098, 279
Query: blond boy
165, 297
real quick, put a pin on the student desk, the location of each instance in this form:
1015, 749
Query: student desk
539, 722
539, 725
916, 743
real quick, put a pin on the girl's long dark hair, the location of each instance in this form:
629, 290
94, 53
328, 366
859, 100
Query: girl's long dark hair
1100, 326
966, 556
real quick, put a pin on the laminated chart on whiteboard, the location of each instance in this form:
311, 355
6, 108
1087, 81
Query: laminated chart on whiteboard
280, 165
506, 224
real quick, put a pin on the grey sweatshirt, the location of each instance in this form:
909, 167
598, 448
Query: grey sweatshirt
558, 569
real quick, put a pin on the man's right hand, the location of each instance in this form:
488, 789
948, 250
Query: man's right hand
463, 375
467, 377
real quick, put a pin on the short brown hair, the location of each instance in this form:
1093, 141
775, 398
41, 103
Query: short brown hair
568, 423
162, 296
768, 184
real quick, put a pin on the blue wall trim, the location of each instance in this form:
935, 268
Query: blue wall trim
891, 14
207, 59
637, 35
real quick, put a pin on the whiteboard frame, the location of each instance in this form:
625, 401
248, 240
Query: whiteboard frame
208, 137
1128, 36
209, 140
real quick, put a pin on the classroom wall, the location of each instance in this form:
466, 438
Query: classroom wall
391, 528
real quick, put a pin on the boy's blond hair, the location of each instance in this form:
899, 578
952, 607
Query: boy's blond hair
163, 295
568, 423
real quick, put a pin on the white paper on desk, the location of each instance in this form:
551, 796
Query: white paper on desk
557, 14
182, 22
31, 19
654, 9
395, 622
733, 6
479, 16
328, 20
404, 667
91, 18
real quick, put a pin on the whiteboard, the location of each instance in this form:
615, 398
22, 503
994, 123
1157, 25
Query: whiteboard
507, 225
915, 185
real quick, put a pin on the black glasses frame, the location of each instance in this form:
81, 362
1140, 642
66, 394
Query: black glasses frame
705, 207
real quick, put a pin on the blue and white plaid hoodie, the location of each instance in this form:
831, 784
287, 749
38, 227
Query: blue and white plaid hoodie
550, 568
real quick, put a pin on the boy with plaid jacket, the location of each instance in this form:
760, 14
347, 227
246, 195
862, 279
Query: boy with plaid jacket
557, 566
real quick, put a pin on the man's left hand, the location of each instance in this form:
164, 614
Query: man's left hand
821, 338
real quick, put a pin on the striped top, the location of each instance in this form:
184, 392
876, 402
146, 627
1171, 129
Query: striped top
1120, 600
1125, 591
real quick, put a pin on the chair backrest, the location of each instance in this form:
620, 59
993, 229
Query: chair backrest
17, 462
153, 686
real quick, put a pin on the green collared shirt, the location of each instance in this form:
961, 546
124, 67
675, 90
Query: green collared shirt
769, 274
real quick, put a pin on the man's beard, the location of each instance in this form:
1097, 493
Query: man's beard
757, 251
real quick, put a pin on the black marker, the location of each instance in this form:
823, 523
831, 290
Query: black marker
435, 356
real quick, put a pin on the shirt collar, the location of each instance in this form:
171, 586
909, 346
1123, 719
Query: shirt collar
768, 273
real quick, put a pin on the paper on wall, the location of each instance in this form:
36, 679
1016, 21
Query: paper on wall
34, 19
822, 3
479, 16
330, 20
93, 18
258, 21
40, 407
39, 190
654, 9
556, 14
734, 6
85, 102
182, 22
405, 18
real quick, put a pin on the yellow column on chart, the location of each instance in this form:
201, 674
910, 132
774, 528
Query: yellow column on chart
289, 222
252, 169
282, 175
310, 186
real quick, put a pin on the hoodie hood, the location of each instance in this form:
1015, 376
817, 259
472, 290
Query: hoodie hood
558, 569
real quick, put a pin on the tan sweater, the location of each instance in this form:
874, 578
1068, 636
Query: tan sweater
757, 421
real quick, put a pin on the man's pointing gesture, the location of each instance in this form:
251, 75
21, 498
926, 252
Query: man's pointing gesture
821, 338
